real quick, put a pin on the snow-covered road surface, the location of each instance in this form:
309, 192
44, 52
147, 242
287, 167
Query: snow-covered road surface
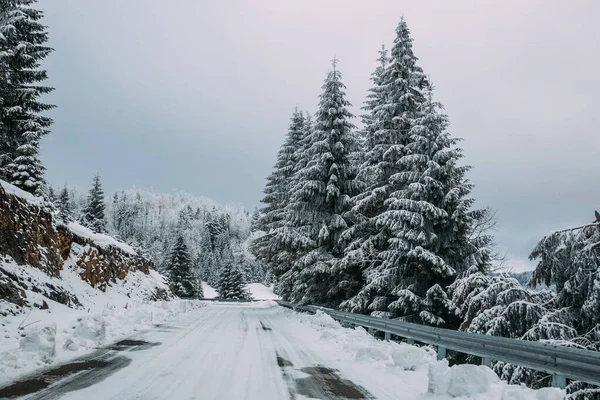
224, 351
260, 351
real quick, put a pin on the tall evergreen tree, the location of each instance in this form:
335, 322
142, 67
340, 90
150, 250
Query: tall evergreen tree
414, 222
320, 199
375, 98
93, 214
22, 48
255, 220
391, 106
430, 217
271, 248
185, 283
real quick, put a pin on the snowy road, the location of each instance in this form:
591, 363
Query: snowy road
223, 351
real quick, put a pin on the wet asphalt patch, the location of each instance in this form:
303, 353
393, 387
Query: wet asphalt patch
282, 362
76, 375
264, 327
321, 383
134, 345
325, 383
93, 371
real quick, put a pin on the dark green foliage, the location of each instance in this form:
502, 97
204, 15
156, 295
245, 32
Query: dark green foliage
93, 214
185, 283
65, 209
22, 48
319, 201
231, 285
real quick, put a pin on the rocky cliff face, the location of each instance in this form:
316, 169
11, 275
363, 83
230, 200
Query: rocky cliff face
29, 237
27, 234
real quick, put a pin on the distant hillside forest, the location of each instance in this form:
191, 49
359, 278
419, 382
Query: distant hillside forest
151, 222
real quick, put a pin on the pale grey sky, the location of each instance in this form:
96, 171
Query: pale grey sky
196, 95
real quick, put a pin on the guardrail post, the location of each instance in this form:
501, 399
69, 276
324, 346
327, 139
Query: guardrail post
388, 336
371, 331
441, 352
559, 381
410, 341
487, 361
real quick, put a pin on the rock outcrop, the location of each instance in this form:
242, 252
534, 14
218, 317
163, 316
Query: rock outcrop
30, 237
27, 234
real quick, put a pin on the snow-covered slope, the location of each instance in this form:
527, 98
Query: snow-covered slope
49, 332
65, 290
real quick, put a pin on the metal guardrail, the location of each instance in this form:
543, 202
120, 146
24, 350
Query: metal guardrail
559, 361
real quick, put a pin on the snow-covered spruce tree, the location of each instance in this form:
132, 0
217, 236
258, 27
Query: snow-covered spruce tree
254, 222
64, 206
375, 98
185, 283
414, 223
271, 248
231, 285
570, 259
284, 282
22, 48
499, 305
430, 217
392, 102
93, 214
320, 199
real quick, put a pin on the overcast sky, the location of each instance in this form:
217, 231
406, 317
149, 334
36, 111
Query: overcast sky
196, 95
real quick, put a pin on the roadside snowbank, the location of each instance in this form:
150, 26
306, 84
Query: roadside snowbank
36, 338
415, 370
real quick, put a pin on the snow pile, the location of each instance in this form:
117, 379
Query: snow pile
415, 371
40, 341
460, 380
59, 333
359, 345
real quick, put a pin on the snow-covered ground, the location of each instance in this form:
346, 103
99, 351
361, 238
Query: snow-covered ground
261, 292
209, 292
40, 338
257, 290
261, 351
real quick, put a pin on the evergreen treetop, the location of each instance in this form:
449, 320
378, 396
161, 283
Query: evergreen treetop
93, 214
